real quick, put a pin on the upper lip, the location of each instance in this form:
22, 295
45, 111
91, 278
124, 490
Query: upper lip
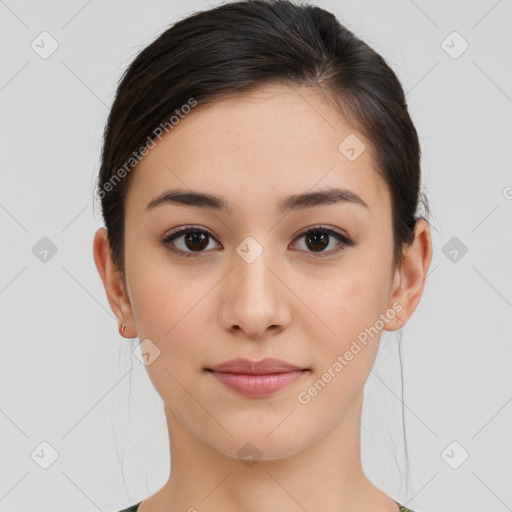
265, 366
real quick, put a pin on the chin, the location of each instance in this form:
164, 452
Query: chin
253, 445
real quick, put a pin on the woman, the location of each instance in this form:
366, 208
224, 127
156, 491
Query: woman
260, 185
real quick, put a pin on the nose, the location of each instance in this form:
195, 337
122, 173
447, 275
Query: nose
255, 299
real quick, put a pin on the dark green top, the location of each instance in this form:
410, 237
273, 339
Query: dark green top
134, 508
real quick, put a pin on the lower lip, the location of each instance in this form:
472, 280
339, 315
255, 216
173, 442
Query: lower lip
257, 385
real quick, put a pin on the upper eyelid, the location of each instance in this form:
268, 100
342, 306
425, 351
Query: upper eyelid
185, 229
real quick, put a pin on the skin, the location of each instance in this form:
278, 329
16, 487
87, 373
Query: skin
290, 303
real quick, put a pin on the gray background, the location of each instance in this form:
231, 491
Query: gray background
68, 379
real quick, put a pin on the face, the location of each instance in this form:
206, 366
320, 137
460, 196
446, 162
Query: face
207, 284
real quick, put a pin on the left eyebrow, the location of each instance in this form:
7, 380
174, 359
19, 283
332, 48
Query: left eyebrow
320, 198
288, 203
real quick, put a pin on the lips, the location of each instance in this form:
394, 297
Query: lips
264, 367
257, 379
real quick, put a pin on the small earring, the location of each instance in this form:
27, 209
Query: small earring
123, 327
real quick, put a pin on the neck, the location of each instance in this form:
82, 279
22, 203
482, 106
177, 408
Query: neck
324, 475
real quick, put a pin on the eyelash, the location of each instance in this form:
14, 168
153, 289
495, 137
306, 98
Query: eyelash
342, 239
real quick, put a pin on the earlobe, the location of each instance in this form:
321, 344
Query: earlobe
112, 281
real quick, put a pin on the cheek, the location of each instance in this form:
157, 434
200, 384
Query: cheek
346, 350
346, 302
170, 311
168, 306
344, 312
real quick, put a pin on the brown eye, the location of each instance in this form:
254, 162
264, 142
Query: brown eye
317, 241
318, 238
194, 240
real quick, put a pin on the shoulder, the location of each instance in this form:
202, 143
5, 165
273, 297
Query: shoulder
133, 508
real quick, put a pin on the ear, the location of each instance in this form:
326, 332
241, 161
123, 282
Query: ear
409, 280
113, 283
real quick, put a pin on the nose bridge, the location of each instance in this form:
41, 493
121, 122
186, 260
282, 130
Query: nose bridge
252, 275
253, 301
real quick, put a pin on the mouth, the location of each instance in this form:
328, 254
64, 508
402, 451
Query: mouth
257, 379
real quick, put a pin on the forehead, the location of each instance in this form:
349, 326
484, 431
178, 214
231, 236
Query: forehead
261, 145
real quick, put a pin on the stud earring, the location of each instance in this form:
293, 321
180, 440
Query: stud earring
123, 327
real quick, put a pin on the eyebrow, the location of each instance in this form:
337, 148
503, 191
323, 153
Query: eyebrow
287, 204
